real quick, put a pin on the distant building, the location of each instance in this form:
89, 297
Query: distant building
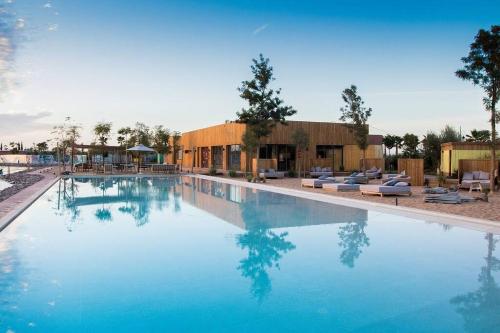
453, 152
331, 145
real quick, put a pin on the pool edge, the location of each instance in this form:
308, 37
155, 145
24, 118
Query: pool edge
428, 216
11, 216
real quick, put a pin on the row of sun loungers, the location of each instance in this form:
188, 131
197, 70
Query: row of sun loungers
397, 186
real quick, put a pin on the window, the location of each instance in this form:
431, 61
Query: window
234, 157
324, 151
217, 157
266, 152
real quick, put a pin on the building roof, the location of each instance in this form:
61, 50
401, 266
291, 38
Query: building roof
464, 145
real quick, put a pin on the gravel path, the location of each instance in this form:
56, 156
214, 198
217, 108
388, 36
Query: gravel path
19, 181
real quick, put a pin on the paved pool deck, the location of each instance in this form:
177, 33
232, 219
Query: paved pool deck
11, 207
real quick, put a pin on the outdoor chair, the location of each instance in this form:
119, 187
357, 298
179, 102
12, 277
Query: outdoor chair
471, 179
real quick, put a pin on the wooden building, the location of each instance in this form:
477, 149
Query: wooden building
453, 152
330, 145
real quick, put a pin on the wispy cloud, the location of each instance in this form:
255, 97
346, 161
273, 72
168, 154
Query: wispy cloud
9, 28
30, 123
260, 29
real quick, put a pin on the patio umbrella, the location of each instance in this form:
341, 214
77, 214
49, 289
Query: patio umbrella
141, 149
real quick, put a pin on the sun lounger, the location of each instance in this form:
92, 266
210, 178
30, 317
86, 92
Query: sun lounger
385, 190
447, 198
358, 178
317, 182
374, 173
435, 190
389, 176
340, 187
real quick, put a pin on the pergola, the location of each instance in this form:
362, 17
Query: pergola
116, 151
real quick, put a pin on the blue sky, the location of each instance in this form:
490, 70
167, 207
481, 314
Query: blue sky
178, 63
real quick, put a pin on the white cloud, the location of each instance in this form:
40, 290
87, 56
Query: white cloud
47, 5
53, 27
260, 29
20, 23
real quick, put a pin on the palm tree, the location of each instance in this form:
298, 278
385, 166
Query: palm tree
102, 132
389, 142
478, 136
398, 143
124, 138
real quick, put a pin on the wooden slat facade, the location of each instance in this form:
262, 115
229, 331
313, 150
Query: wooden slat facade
414, 167
198, 145
378, 163
271, 163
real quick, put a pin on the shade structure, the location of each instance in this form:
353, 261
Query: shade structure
142, 148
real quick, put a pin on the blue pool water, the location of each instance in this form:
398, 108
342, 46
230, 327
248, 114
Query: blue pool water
189, 255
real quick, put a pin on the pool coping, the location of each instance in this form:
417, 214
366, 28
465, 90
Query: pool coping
414, 213
7, 219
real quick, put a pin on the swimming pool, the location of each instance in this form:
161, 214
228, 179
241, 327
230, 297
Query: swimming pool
187, 254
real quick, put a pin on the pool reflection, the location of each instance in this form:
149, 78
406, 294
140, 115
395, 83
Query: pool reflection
264, 253
258, 213
137, 197
480, 309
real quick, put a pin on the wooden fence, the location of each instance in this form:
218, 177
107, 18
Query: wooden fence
379, 163
470, 165
414, 167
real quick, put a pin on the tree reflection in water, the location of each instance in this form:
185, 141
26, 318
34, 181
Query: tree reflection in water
265, 248
352, 240
481, 308
67, 189
103, 214
135, 196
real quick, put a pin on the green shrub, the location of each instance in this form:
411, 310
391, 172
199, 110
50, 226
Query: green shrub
212, 171
249, 177
292, 173
232, 173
